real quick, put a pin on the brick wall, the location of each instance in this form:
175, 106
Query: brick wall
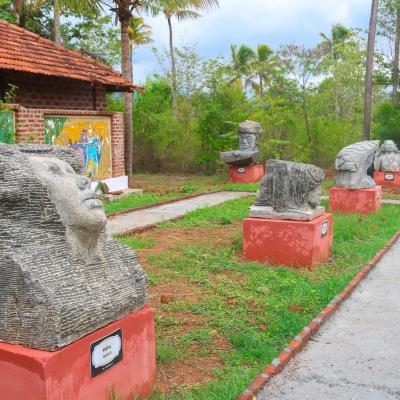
118, 141
38, 91
30, 129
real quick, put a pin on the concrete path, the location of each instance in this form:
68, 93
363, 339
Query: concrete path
149, 216
384, 201
355, 355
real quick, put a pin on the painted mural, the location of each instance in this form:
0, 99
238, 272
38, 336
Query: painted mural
7, 126
88, 136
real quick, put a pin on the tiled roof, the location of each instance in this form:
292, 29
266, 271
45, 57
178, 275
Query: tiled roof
22, 50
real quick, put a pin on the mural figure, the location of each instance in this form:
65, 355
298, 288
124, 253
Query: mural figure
90, 137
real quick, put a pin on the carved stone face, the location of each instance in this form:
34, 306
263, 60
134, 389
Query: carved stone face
314, 197
77, 205
389, 146
247, 142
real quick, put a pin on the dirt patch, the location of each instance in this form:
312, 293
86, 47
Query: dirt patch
193, 370
196, 364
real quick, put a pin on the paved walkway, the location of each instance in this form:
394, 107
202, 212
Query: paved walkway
149, 216
384, 201
355, 355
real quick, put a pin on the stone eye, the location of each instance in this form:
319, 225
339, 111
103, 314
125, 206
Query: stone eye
54, 169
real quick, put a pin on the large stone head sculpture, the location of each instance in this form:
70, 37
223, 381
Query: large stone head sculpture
249, 134
289, 190
61, 277
352, 164
387, 159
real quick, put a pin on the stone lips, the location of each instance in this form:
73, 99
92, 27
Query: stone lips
49, 298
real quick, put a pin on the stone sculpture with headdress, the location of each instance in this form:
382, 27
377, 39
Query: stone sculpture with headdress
61, 277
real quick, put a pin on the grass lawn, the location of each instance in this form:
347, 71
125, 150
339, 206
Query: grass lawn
220, 320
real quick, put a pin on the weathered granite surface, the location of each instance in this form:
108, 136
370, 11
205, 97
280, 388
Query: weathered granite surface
387, 159
289, 190
249, 133
352, 164
61, 277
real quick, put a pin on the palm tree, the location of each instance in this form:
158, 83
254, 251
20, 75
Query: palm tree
139, 32
339, 35
124, 10
263, 67
241, 63
368, 70
182, 10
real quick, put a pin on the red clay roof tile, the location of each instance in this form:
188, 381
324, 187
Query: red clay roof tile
22, 50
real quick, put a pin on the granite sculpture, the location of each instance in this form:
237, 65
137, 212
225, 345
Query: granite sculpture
352, 164
290, 191
61, 277
387, 159
249, 134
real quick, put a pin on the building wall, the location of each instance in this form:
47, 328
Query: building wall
30, 129
39, 91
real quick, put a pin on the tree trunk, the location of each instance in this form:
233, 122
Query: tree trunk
261, 86
369, 69
57, 22
127, 71
396, 58
173, 70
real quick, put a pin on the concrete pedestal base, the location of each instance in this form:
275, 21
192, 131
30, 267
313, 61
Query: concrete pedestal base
290, 243
388, 179
252, 174
66, 374
358, 201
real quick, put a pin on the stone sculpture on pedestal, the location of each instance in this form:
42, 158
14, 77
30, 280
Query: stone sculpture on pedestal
287, 225
249, 133
352, 164
387, 159
244, 167
289, 191
61, 277
355, 190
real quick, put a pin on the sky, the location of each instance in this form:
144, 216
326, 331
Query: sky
252, 22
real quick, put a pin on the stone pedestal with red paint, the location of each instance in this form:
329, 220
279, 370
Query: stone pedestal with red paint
118, 358
287, 242
246, 174
387, 179
357, 201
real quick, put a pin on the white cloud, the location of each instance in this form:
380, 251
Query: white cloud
273, 22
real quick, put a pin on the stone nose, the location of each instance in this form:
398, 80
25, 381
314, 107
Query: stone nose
83, 182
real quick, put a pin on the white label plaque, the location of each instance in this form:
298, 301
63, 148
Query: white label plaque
389, 177
324, 228
241, 170
106, 352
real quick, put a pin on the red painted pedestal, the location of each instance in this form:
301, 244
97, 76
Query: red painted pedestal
252, 174
359, 201
27, 374
290, 243
388, 179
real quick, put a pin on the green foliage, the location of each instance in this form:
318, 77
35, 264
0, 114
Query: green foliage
256, 308
387, 120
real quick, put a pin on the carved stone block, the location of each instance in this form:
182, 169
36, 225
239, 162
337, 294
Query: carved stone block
387, 159
352, 164
249, 133
289, 191
61, 277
